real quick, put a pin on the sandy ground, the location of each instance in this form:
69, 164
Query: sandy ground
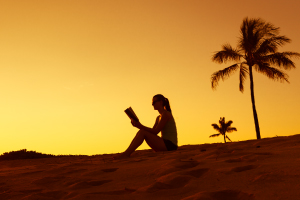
255, 169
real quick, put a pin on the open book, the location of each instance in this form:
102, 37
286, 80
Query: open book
131, 114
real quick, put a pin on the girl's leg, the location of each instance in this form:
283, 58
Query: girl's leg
154, 141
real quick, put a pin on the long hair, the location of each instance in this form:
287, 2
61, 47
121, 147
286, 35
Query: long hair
166, 102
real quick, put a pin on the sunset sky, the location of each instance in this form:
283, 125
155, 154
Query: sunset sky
69, 69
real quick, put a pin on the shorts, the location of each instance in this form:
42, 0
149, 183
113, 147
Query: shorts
170, 145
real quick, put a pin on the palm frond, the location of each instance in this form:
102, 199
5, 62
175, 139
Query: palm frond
243, 75
229, 123
228, 138
216, 127
215, 135
270, 45
222, 74
251, 34
269, 30
266, 47
282, 59
231, 129
227, 53
254, 32
271, 72
222, 121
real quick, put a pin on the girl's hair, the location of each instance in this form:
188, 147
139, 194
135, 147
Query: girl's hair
166, 102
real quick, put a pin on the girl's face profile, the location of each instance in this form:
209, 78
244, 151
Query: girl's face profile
155, 103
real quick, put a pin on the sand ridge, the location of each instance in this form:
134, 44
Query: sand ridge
247, 170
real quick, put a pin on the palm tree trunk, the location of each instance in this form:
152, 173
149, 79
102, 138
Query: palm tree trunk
224, 138
253, 104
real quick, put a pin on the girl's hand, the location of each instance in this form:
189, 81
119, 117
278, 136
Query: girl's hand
136, 124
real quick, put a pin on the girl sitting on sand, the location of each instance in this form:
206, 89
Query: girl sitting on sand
164, 123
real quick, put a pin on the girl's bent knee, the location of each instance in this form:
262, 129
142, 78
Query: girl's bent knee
142, 132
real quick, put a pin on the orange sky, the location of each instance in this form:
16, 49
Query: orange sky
68, 69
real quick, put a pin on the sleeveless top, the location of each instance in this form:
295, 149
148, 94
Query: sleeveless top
169, 132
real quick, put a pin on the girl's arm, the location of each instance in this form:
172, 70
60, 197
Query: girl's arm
158, 126
156, 122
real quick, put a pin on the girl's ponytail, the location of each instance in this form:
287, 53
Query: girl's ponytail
167, 105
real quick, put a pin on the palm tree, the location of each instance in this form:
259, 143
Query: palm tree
257, 48
223, 128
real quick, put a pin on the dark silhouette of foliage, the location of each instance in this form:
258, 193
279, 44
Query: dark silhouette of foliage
257, 48
223, 128
23, 154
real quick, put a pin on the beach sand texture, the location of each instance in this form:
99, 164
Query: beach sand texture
247, 170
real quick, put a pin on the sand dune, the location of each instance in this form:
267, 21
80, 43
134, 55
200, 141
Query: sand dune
247, 170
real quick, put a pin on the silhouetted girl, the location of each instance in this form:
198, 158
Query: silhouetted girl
164, 123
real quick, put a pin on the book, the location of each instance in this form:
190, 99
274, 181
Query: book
130, 113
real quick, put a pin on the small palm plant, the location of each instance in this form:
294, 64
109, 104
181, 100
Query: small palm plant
223, 128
